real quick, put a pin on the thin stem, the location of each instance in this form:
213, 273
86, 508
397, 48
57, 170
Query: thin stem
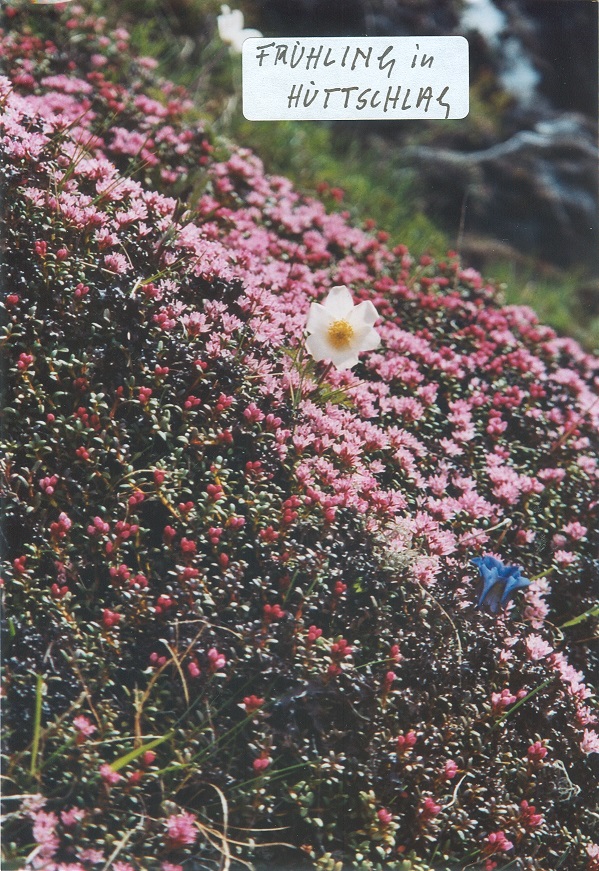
37, 721
523, 700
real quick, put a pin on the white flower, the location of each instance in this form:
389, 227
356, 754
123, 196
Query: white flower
231, 29
339, 330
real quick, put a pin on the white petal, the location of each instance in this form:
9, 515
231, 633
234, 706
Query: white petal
370, 341
339, 301
319, 318
365, 338
318, 346
364, 313
229, 25
345, 359
239, 38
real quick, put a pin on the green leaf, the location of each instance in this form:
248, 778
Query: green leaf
592, 612
133, 754
37, 722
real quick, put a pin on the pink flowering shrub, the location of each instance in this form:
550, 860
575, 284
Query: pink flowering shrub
238, 586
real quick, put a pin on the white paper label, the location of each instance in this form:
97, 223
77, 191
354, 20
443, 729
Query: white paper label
349, 78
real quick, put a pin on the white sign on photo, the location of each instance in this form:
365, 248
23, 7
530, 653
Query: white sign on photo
353, 78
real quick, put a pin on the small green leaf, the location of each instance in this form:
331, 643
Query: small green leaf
133, 754
592, 612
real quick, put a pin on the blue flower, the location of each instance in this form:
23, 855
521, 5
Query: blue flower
500, 582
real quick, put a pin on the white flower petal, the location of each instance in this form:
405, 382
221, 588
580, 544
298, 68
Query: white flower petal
239, 38
355, 336
345, 360
230, 24
369, 340
364, 313
339, 302
318, 347
319, 318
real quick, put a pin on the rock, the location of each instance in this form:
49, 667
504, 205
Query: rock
534, 190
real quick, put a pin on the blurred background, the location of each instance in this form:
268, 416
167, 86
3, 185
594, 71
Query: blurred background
513, 187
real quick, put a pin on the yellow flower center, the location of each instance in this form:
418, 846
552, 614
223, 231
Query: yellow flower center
340, 334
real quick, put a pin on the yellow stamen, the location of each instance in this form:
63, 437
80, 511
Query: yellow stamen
340, 334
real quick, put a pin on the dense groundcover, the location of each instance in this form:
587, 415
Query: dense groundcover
239, 605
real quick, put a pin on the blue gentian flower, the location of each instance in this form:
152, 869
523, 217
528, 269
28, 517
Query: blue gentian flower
500, 582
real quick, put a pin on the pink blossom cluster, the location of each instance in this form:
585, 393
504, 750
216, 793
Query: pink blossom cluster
472, 429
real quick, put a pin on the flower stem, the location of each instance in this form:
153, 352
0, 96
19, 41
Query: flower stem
37, 720
523, 700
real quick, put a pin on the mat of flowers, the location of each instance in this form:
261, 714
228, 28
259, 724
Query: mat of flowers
300, 531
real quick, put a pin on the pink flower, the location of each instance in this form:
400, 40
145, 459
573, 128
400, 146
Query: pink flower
575, 530
537, 648
44, 825
261, 763
273, 612
110, 618
501, 701
168, 534
450, 770
252, 704
590, 742
109, 775
181, 830
91, 855
71, 817
47, 485
187, 545
215, 491
313, 634
593, 854
59, 528
340, 649
564, 557
117, 263
405, 742
33, 803
84, 727
529, 819
269, 534
536, 752
429, 809
253, 414
394, 653
24, 361
217, 660
384, 816
497, 843
98, 527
